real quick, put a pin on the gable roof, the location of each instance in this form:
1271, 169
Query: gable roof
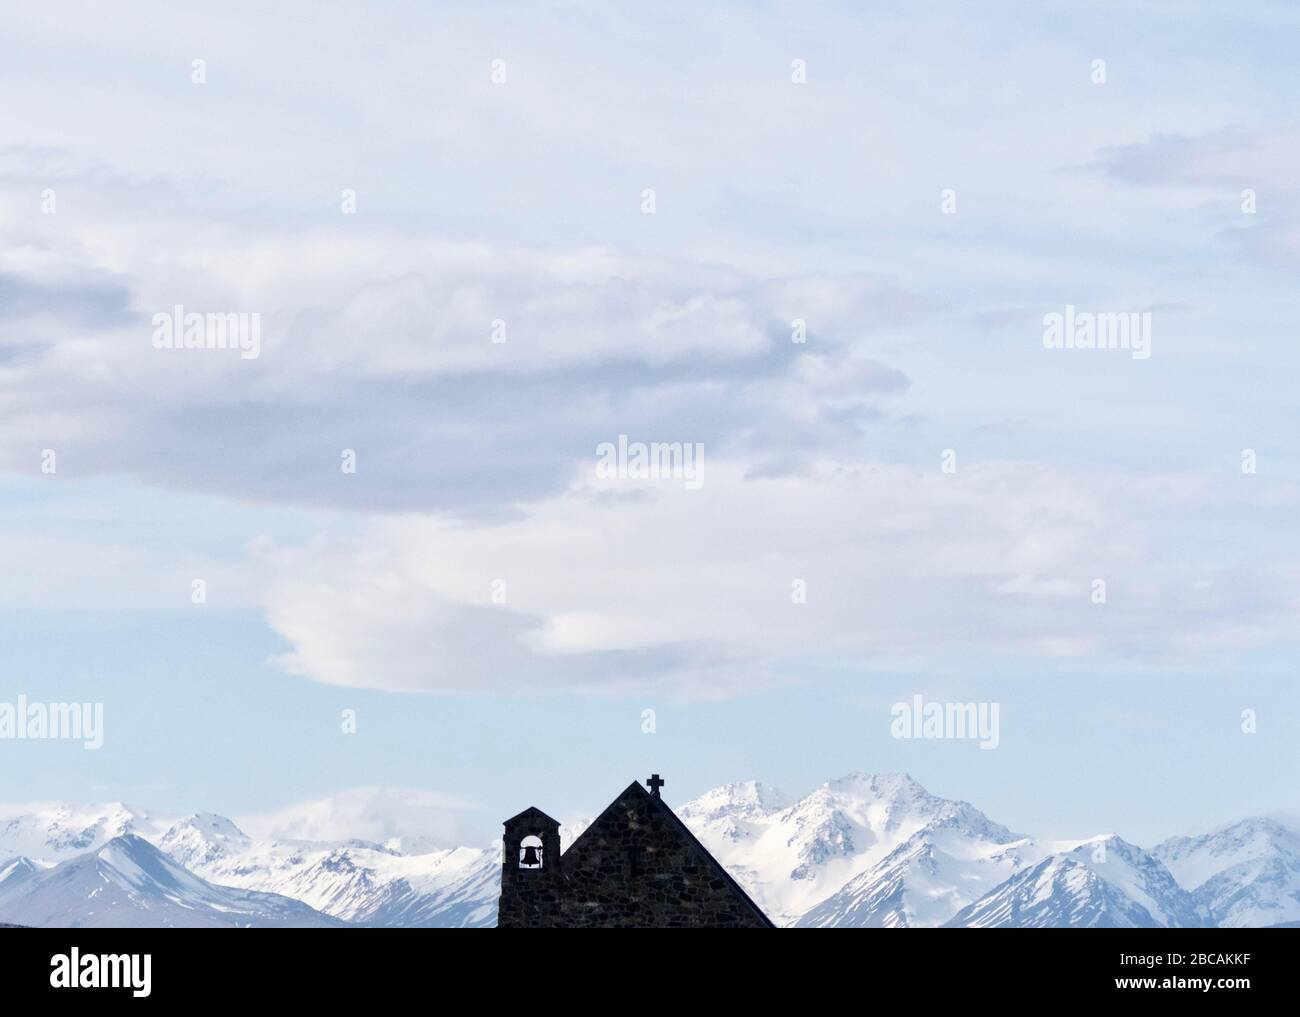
685, 832
532, 812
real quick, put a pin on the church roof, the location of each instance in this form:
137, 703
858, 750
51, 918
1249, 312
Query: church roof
636, 787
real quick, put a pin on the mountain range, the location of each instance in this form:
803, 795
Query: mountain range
128, 882
861, 851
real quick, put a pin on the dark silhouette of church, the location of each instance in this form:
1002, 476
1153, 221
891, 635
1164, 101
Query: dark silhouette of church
635, 866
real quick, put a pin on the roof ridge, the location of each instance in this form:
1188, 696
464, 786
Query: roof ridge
531, 808
601, 815
722, 869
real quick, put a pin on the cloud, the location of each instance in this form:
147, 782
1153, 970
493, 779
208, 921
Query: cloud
383, 344
1233, 156
620, 585
1214, 169
518, 205
410, 820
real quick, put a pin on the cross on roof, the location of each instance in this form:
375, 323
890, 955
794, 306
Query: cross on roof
654, 784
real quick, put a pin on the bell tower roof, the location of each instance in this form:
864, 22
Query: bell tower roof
532, 813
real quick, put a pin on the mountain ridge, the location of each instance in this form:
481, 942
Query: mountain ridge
861, 850
127, 882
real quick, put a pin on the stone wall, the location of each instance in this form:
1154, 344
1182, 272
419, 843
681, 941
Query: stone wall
531, 898
634, 867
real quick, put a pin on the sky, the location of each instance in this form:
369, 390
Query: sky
818, 242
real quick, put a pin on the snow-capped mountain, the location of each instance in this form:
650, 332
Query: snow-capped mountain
204, 840
351, 879
924, 881
128, 882
1246, 874
861, 850
50, 832
1104, 882
354, 880
15, 870
457, 888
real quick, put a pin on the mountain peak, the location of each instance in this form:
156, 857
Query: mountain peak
1246, 873
747, 798
202, 839
1100, 882
16, 869
878, 785
48, 832
128, 882
127, 845
212, 825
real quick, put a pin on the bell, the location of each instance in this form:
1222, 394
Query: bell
532, 857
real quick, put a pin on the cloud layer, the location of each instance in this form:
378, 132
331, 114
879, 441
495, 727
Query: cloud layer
499, 305
622, 584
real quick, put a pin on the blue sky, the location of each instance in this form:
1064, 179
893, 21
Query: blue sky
521, 201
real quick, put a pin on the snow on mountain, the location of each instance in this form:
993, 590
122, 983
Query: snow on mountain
793, 857
203, 840
15, 870
1246, 874
729, 807
343, 856
127, 882
457, 888
1103, 882
924, 881
864, 850
50, 832
353, 880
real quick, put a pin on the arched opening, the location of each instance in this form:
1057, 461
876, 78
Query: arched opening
530, 852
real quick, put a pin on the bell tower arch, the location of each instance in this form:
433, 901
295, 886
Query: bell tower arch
532, 883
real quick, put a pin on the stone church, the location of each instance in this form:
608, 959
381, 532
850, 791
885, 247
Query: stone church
635, 866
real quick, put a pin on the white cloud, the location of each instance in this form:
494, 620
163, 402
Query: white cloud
615, 584
411, 820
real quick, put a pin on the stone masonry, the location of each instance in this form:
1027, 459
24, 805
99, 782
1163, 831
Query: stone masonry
635, 866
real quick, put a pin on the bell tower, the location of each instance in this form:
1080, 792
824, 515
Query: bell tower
532, 886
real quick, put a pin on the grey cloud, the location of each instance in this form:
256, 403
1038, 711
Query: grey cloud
1180, 159
441, 423
101, 305
1263, 158
475, 443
